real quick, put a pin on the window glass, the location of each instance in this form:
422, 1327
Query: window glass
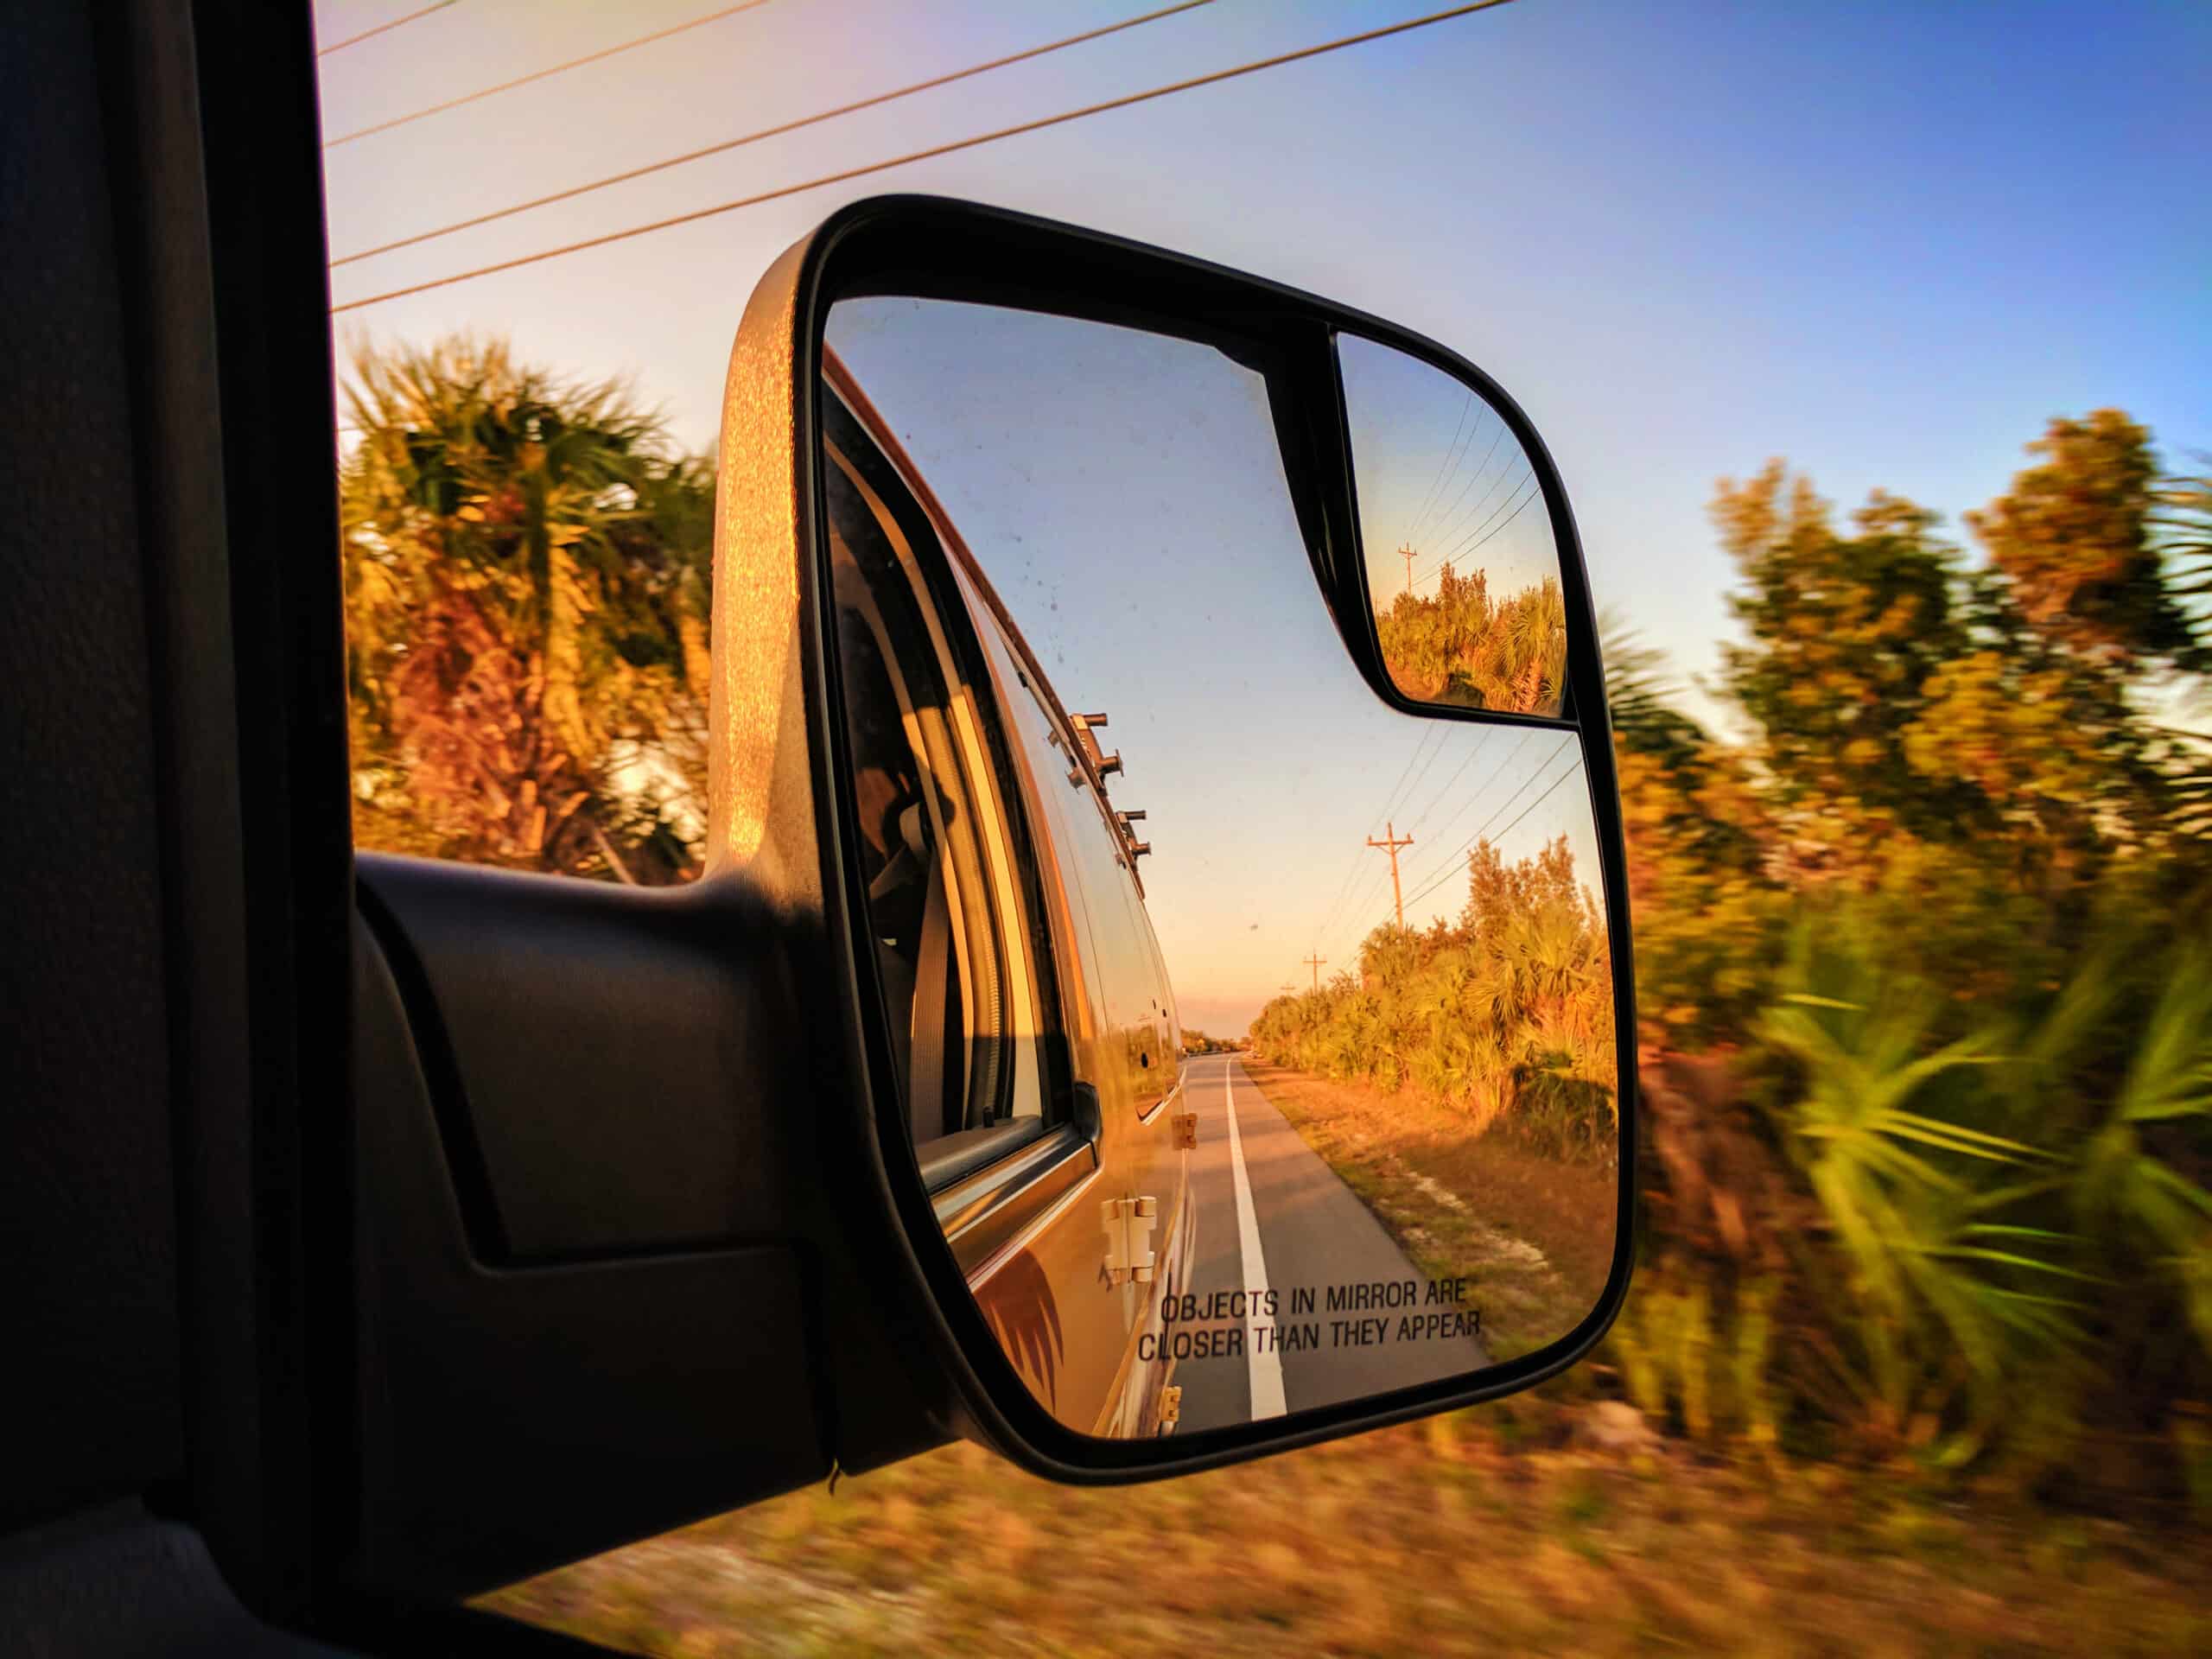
937, 850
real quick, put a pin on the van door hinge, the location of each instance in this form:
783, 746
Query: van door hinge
1171, 1407
1128, 1223
1186, 1131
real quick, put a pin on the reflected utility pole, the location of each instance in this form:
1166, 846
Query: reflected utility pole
1406, 554
1314, 962
1390, 842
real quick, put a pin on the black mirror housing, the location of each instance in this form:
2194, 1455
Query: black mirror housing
784, 807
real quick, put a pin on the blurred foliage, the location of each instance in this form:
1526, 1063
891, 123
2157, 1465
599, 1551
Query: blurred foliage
2071, 540
1461, 646
1926, 1036
1925, 1007
1490, 1530
527, 568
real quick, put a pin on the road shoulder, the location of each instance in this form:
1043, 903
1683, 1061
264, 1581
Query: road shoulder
1534, 1232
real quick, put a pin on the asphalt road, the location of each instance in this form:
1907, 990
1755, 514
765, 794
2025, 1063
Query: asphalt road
1273, 1215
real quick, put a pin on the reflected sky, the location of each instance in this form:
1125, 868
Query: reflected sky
1124, 493
1438, 476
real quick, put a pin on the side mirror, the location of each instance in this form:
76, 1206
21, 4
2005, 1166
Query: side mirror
1323, 577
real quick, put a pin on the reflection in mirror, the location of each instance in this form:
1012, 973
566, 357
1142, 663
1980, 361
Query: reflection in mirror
1257, 1038
1461, 565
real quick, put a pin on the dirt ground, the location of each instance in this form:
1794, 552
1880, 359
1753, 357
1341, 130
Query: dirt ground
1533, 1231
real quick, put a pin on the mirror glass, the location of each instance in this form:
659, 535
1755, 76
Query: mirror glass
1462, 570
1256, 1038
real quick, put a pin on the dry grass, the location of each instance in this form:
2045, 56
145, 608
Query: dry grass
1478, 1533
1533, 1231
1484, 1532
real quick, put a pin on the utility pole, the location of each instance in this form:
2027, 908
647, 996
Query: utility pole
1406, 554
1314, 962
1390, 842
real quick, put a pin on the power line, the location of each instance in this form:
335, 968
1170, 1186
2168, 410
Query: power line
1437, 506
535, 74
1393, 843
1474, 798
1541, 799
1452, 865
1474, 749
1441, 731
1535, 490
1550, 789
1124, 102
1401, 793
1445, 538
1476, 536
1505, 468
1344, 890
1451, 450
1481, 467
1389, 804
1369, 890
728, 143
1465, 548
381, 28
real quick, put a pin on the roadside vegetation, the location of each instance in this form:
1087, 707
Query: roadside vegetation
1506, 1014
1198, 1042
1924, 985
527, 565
1921, 1348
1459, 646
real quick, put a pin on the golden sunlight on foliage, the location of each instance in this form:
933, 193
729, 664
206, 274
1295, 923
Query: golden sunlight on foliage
1508, 1013
527, 568
1924, 1046
1459, 646
2069, 539
1913, 961
1494, 1530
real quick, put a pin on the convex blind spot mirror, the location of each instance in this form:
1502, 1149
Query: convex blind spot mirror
1207, 769
1456, 538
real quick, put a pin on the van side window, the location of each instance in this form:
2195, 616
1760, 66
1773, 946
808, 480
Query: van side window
945, 912
1110, 995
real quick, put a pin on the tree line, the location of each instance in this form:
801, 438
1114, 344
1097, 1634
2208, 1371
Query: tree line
1923, 980
1927, 994
1460, 645
1506, 1012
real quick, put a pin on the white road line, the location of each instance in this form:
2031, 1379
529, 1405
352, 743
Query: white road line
1267, 1368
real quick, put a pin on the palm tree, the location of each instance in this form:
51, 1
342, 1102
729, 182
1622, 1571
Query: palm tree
526, 580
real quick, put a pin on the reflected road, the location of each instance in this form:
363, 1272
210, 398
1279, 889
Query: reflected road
1272, 1213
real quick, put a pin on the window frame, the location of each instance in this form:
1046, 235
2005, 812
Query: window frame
969, 1174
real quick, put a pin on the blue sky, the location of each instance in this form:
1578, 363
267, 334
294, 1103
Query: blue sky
1886, 242
1438, 477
